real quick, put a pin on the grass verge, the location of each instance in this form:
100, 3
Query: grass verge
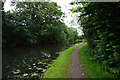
60, 66
92, 69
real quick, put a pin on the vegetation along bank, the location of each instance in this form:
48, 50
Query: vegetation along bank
91, 67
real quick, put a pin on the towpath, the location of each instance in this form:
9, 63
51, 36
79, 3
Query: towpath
76, 68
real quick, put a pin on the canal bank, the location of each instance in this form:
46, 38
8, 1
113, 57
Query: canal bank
60, 66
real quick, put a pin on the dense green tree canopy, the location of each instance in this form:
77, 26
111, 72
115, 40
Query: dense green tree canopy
36, 23
101, 27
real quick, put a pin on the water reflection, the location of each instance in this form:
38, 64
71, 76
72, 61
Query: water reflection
20, 58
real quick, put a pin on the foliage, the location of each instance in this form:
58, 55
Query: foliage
92, 69
61, 70
35, 23
100, 23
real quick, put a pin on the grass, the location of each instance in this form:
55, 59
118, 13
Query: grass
60, 66
92, 69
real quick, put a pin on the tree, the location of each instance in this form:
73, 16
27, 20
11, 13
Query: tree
34, 23
100, 22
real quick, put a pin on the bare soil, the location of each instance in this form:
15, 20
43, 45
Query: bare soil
76, 68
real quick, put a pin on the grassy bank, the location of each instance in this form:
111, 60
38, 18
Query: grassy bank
60, 67
92, 69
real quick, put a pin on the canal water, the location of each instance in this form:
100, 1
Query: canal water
20, 58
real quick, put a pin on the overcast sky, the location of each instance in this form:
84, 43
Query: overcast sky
70, 19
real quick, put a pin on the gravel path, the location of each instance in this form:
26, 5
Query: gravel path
76, 68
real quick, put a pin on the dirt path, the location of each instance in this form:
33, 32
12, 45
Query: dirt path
76, 68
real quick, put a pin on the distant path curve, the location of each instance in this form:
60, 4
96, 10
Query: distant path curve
76, 68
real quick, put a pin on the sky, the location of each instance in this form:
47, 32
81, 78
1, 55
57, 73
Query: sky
71, 18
